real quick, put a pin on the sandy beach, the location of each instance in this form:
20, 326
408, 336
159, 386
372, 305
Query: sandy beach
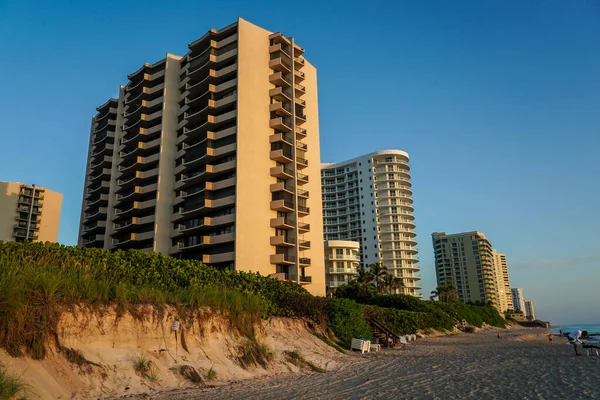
523, 365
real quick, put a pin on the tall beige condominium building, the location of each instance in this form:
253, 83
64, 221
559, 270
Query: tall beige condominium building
28, 213
213, 156
505, 302
466, 259
342, 260
368, 199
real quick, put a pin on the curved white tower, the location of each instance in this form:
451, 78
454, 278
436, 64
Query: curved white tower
369, 200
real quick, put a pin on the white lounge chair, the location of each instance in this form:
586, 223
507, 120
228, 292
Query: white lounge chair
375, 347
362, 345
403, 340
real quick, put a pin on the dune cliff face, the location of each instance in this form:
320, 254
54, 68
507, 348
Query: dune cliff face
100, 355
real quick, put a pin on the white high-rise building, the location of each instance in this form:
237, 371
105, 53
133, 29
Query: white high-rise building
529, 310
368, 199
518, 300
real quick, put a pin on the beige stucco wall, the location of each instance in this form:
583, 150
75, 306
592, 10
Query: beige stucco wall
50, 219
313, 154
253, 196
9, 194
168, 148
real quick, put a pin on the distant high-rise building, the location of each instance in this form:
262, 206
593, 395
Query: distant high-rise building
213, 156
341, 262
368, 199
466, 260
518, 300
529, 310
505, 302
28, 213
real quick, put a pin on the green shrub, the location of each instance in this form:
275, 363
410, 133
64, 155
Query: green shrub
11, 387
347, 321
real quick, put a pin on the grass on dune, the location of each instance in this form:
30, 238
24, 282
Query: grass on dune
33, 295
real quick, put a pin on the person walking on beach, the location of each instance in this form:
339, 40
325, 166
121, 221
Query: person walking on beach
574, 339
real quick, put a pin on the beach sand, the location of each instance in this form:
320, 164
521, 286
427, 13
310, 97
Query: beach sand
521, 365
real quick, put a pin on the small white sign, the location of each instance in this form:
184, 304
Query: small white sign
175, 326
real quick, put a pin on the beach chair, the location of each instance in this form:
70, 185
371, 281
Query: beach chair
361, 345
375, 347
403, 340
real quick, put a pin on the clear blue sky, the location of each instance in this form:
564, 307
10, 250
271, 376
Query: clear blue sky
497, 102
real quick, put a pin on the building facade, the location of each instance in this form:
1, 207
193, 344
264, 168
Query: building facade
342, 259
466, 260
214, 156
28, 213
518, 300
368, 199
529, 310
505, 302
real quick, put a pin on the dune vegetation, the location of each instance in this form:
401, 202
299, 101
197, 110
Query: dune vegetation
38, 282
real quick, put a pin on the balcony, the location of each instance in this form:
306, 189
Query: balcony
300, 133
282, 172
279, 186
305, 280
281, 109
282, 241
282, 223
282, 156
98, 225
342, 271
303, 227
304, 261
304, 244
299, 89
279, 79
346, 257
218, 258
301, 162
303, 193
282, 205
302, 178
299, 76
303, 211
282, 138
281, 64
219, 239
99, 212
282, 259
281, 124
134, 222
95, 239
280, 94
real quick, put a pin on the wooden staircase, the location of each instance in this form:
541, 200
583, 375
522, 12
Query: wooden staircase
383, 333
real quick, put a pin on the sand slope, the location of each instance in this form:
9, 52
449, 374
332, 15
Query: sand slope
113, 345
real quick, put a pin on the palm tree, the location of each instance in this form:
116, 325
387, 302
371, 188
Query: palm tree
378, 271
392, 283
362, 276
446, 293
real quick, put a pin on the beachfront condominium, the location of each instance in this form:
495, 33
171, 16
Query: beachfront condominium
213, 156
368, 199
529, 310
28, 213
518, 300
466, 260
342, 260
505, 302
